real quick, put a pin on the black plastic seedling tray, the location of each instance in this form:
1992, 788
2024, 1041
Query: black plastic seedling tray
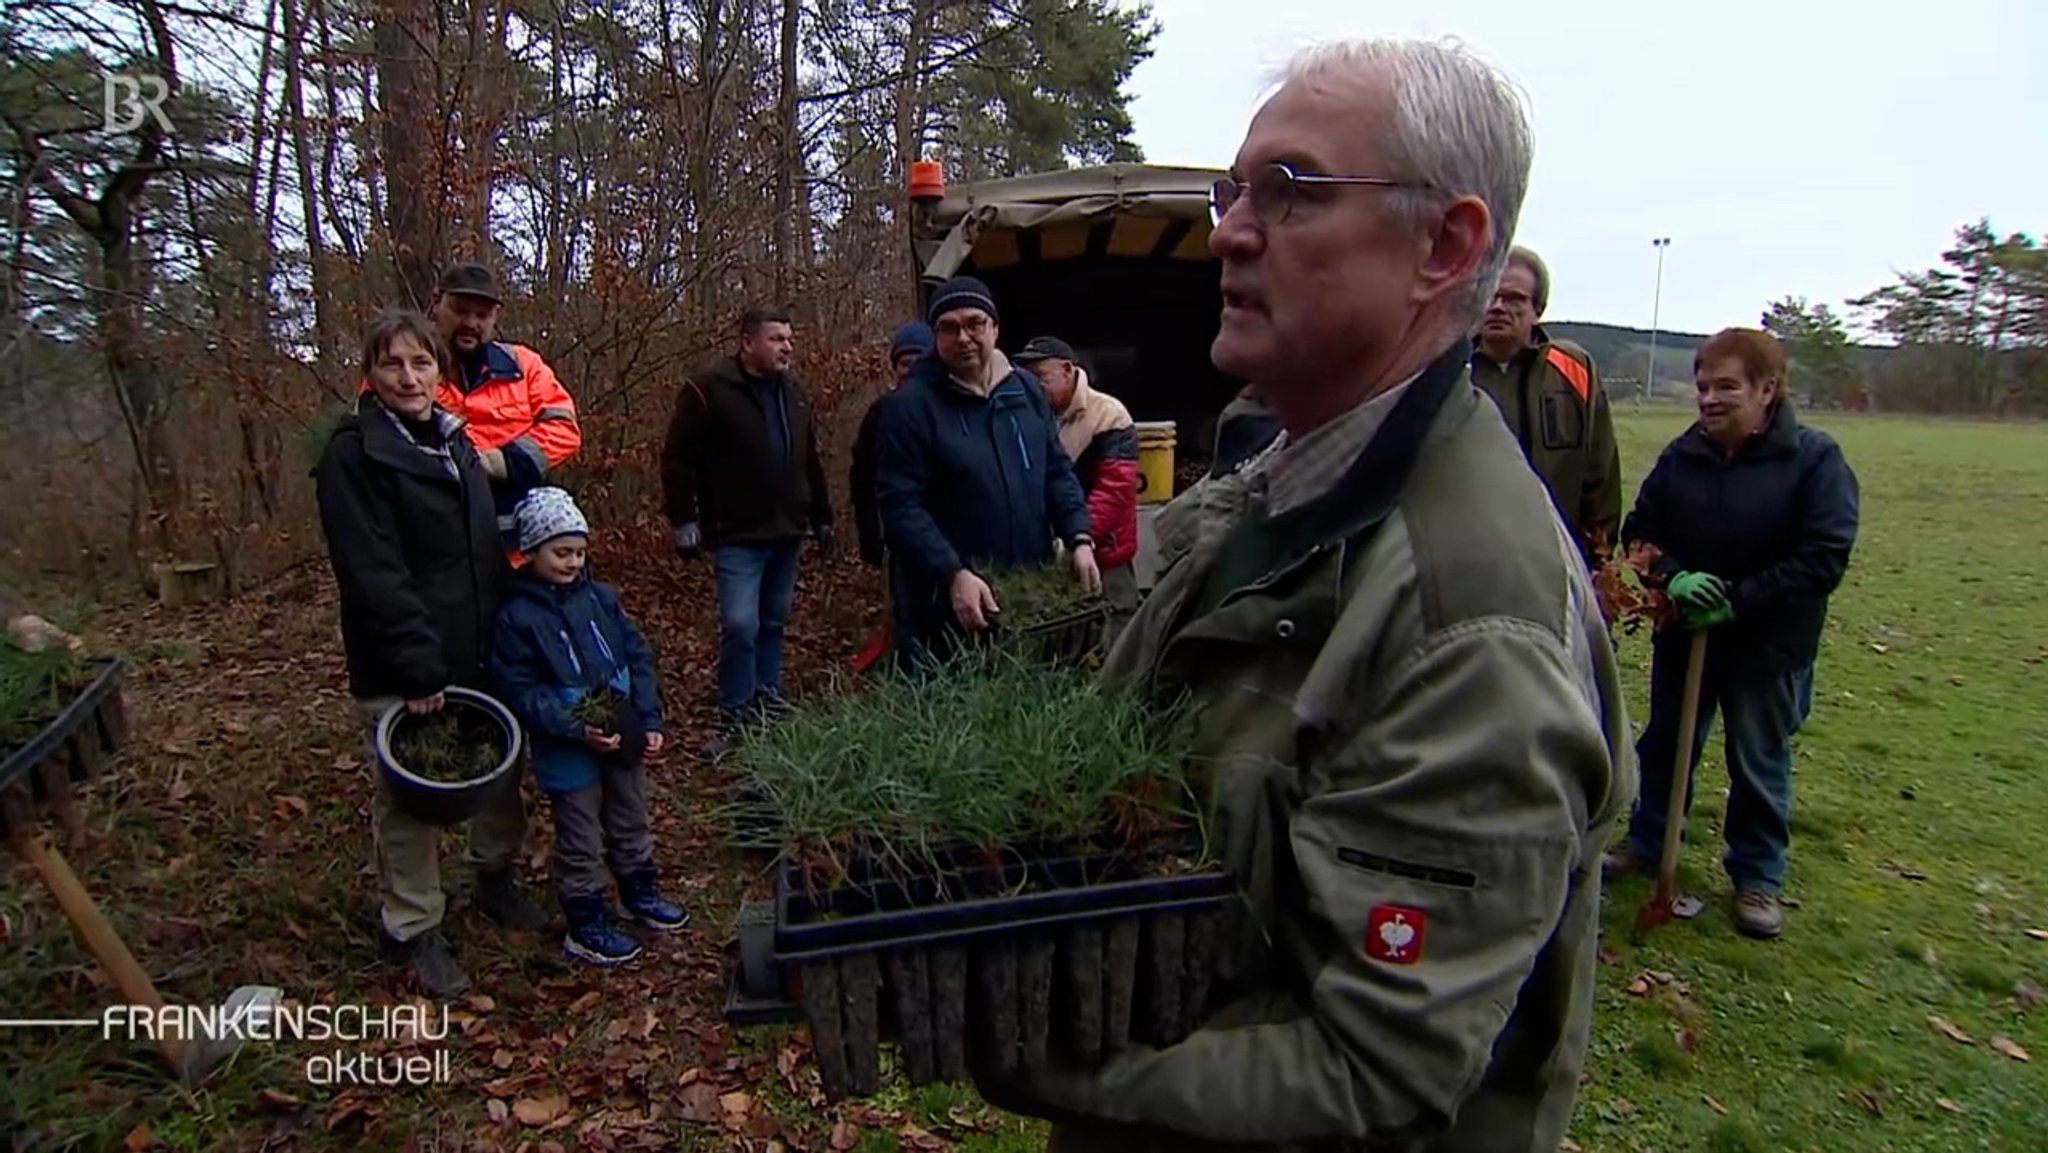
67, 751
1070, 638
992, 964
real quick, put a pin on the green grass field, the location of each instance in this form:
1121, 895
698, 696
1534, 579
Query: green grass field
1920, 836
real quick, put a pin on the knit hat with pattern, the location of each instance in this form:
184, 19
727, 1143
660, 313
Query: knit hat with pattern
546, 513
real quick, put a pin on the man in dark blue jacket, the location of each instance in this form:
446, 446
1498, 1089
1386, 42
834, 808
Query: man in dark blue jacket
971, 476
1755, 515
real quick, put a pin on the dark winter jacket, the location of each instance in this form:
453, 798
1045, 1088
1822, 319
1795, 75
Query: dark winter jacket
1776, 520
867, 511
971, 482
555, 645
741, 461
412, 535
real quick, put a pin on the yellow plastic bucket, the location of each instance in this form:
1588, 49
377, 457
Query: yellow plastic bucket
1155, 461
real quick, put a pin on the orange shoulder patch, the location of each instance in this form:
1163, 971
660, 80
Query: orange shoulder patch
1569, 367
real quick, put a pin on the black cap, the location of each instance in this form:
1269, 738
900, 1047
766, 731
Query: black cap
1044, 348
470, 280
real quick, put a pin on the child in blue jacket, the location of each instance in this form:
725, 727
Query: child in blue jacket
562, 639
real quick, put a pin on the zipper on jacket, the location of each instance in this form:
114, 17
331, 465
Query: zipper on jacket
570, 645
1522, 404
1021, 450
603, 648
1009, 499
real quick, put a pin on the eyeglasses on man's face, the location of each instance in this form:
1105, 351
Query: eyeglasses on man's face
953, 328
1273, 189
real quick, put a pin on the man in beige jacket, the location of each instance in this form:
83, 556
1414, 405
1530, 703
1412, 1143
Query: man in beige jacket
1098, 435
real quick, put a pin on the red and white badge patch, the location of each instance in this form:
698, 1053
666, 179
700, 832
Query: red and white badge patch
1394, 934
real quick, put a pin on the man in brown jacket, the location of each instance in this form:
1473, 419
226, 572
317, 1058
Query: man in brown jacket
1409, 720
741, 476
1550, 394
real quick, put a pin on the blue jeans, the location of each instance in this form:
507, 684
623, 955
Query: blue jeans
1760, 712
756, 586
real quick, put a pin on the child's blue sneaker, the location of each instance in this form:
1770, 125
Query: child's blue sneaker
642, 900
592, 937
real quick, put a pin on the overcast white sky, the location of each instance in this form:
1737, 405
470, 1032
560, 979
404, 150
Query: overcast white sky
1804, 147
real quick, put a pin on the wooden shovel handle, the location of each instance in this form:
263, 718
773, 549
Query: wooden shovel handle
94, 931
1681, 769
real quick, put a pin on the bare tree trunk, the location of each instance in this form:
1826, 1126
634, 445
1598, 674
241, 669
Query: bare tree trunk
912, 106
789, 154
326, 328
410, 157
14, 326
555, 260
479, 105
703, 166
330, 144
109, 222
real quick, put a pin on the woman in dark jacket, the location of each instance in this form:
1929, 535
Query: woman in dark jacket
1755, 515
413, 538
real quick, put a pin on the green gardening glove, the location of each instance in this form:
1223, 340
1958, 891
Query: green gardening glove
1701, 619
1697, 590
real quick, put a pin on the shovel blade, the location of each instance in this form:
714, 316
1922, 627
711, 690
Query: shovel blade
205, 1054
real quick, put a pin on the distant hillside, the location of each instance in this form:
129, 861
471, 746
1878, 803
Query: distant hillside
1623, 355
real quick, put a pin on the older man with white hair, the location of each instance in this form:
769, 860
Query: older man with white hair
1410, 725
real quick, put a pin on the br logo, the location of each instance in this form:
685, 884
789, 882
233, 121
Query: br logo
126, 101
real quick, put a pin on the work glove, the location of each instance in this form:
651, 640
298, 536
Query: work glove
1701, 619
1697, 590
822, 534
689, 541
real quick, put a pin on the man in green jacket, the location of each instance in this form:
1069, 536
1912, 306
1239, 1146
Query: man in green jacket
1550, 394
1411, 730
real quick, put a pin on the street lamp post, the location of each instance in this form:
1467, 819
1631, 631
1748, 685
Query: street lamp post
1656, 305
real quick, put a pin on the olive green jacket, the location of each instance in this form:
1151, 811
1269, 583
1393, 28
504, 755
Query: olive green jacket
1416, 747
1554, 404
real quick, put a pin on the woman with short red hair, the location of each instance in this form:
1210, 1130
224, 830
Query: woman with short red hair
1755, 515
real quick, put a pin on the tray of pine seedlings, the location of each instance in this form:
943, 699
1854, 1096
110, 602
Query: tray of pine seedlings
984, 865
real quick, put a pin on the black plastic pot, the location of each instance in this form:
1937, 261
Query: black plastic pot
451, 802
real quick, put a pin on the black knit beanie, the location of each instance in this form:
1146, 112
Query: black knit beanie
961, 292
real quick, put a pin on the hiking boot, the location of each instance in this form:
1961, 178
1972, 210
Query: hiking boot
592, 937
1623, 862
641, 897
431, 963
717, 748
499, 897
1758, 914
725, 736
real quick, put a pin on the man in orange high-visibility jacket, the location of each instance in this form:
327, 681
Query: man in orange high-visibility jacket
519, 416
